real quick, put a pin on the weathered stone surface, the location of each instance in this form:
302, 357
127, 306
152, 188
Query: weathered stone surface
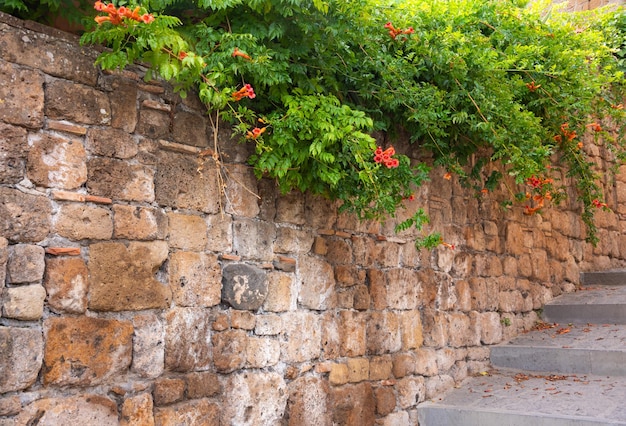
84, 409
4, 258
67, 100
124, 112
13, 153
308, 402
57, 162
317, 284
24, 217
229, 350
352, 333
436, 385
80, 221
242, 319
220, 233
187, 232
195, 279
148, 347
353, 404
411, 391
22, 355
301, 338
489, 325
24, 303
11, 405
23, 97
358, 369
426, 362
280, 297
403, 364
383, 333
242, 393
188, 339
200, 412
189, 129
123, 278
289, 240
338, 374
120, 180
262, 352
139, 223
137, 411
268, 325
381, 367
109, 142
153, 124
202, 384
25, 264
402, 289
254, 239
241, 191
244, 286
179, 184
86, 351
66, 282
460, 331
435, 327
397, 418
385, 401
411, 329
485, 293
168, 390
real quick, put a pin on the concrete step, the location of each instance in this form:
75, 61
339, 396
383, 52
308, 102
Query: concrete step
514, 398
598, 349
595, 304
615, 277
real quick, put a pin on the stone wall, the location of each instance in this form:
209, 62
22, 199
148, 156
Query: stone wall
144, 284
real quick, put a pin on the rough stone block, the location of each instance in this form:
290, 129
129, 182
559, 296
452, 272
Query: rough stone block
436, 385
338, 374
229, 350
352, 333
426, 362
57, 162
308, 402
279, 292
403, 364
411, 391
110, 142
243, 393
84, 409
124, 112
254, 239
262, 352
358, 369
460, 331
244, 286
385, 401
289, 240
148, 347
66, 100
25, 264
317, 284
66, 282
179, 184
220, 233
24, 217
301, 338
23, 99
188, 339
199, 412
137, 411
383, 333
490, 327
10, 406
139, 223
195, 279
123, 279
120, 180
241, 191
86, 351
187, 232
338, 251
13, 153
22, 356
80, 222
4, 258
268, 325
24, 303
320, 212
353, 404
168, 391
202, 385
153, 124
189, 128
242, 319
402, 289
411, 329
381, 367
485, 293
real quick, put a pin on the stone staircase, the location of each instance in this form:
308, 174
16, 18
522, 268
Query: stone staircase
571, 371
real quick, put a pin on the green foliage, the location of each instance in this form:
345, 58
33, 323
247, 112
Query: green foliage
472, 81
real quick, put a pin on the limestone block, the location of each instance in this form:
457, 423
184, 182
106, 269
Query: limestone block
262, 352
352, 333
411, 391
25, 264
24, 217
362, 297
254, 239
411, 329
66, 100
190, 129
330, 339
199, 412
317, 284
460, 332
13, 153
385, 401
153, 123
202, 384
123, 98
195, 279
24, 303
220, 233
353, 404
358, 370
57, 162
402, 289
403, 364
244, 286
426, 362
81, 221
137, 411
446, 358
179, 184
86, 351
242, 393
268, 325
139, 223
378, 288
66, 282
290, 208
308, 402
435, 327
120, 180
339, 251
301, 338
187, 232
338, 374
23, 99
123, 279
22, 356
484, 293
490, 327
84, 409
148, 347
289, 240
187, 339
229, 350
243, 319
110, 142
280, 289
10, 405
383, 333
241, 191
381, 367
436, 385
168, 390
320, 212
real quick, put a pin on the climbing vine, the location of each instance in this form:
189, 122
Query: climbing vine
474, 82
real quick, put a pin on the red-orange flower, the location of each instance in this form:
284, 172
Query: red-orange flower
255, 133
245, 92
384, 157
241, 54
532, 86
598, 204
